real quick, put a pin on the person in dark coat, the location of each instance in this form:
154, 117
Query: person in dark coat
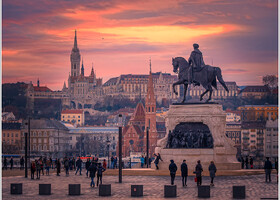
38, 169
172, 169
21, 163
100, 170
11, 163
66, 166
267, 168
5, 163
247, 162
184, 173
79, 166
92, 172
87, 166
33, 169
157, 159
58, 166
212, 171
198, 173
251, 163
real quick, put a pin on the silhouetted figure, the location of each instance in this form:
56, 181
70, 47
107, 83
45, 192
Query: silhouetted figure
21, 163
11, 163
172, 169
198, 173
157, 160
212, 171
267, 168
184, 173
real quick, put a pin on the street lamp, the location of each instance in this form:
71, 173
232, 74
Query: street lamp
27, 146
108, 149
120, 148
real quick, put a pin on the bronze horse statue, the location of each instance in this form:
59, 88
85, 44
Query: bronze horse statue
206, 77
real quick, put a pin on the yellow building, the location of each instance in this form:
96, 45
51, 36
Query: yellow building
11, 134
256, 92
73, 116
258, 112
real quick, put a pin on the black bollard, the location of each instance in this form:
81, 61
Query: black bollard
105, 190
170, 191
136, 190
16, 188
204, 191
239, 192
44, 189
74, 189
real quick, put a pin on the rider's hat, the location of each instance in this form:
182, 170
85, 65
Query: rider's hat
196, 46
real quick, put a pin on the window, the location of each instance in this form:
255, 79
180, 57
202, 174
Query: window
8, 135
79, 116
12, 134
16, 134
3, 134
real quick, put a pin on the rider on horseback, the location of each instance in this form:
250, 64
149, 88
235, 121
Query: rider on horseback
196, 62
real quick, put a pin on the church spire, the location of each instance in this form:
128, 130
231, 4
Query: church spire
92, 72
82, 69
150, 66
75, 40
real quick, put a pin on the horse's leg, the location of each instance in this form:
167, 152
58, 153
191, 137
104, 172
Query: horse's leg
185, 91
177, 83
201, 96
210, 95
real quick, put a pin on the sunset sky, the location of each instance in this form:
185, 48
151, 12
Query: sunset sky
120, 36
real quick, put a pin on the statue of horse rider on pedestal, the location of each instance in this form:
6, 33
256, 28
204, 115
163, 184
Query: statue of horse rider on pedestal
196, 64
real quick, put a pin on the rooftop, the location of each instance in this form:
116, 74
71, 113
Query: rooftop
72, 111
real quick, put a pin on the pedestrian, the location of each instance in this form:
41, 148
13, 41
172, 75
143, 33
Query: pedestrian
11, 163
66, 166
157, 160
267, 168
74, 163
51, 161
184, 173
172, 169
58, 166
251, 163
142, 159
33, 169
112, 162
5, 163
104, 164
242, 162
79, 165
48, 165
100, 170
212, 171
21, 163
87, 166
198, 173
92, 172
38, 169
115, 162
42, 165
247, 162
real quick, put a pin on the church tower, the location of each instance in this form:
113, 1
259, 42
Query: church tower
150, 114
75, 58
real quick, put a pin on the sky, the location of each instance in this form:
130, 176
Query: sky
120, 36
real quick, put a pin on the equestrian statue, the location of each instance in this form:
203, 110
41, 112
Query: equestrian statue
194, 71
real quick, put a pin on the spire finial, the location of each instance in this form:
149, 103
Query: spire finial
150, 65
75, 40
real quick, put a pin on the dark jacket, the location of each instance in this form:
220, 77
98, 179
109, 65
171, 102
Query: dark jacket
79, 163
172, 168
198, 170
157, 159
267, 165
100, 170
212, 170
87, 165
184, 169
66, 163
92, 170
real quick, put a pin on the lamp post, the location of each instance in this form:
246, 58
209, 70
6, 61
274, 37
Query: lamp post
27, 147
147, 136
108, 149
120, 148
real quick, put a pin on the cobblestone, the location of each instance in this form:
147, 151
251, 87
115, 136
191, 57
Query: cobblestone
256, 187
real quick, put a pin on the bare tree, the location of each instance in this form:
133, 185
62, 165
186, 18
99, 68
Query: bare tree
270, 80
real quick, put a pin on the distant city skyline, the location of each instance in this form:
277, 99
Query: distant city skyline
119, 37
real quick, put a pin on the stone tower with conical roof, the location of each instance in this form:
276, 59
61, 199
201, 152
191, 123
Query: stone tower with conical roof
150, 114
75, 58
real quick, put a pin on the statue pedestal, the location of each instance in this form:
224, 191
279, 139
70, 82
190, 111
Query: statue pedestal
223, 152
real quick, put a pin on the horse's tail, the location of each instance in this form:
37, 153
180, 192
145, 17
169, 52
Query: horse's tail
218, 73
214, 83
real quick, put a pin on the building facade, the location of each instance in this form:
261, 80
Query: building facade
256, 92
233, 131
258, 112
11, 140
271, 138
75, 117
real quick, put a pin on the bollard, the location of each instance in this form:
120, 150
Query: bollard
74, 189
239, 192
136, 190
203, 191
44, 189
170, 191
105, 190
16, 188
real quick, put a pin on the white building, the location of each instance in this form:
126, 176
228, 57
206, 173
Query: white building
271, 138
232, 117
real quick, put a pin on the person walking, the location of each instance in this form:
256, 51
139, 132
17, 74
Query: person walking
247, 162
104, 164
198, 173
58, 166
212, 171
267, 168
92, 172
38, 169
142, 160
87, 166
5, 163
251, 163
41, 165
100, 170
21, 163
33, 169
79, 165
184, 173
172, 169
66, 166
11, 163
48, 165
157, 160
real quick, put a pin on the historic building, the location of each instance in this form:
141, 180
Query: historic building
258, 112
256, 92
233, 131
75, 117
271, 138
11, 140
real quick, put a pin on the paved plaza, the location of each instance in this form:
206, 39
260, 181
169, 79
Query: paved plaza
256, 188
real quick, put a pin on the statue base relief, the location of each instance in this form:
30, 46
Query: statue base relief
223, 152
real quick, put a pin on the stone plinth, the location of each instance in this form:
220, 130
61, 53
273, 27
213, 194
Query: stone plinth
223, 152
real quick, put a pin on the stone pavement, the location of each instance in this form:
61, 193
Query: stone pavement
256, 187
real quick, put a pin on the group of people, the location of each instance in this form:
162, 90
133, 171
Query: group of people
198, 172
245, 162
114, 162
5, 163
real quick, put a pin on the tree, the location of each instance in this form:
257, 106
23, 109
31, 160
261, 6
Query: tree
270, 80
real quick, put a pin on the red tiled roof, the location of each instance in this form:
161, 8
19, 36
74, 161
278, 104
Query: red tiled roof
42, 89
72, 112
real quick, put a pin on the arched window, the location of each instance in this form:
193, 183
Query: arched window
74, 66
